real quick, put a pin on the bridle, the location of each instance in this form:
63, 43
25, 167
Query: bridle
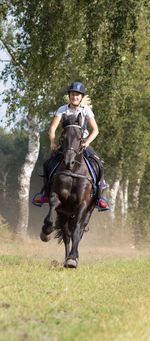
77, 152
71, 148
73, 125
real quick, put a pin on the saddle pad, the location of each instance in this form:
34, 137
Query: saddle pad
91, 170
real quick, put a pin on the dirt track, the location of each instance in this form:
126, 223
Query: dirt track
103, 240
88, 252
55, 252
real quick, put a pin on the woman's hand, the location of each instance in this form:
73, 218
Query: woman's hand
53, 127
53, 146
94, 132
85, 144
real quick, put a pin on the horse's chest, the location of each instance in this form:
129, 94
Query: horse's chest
71, 193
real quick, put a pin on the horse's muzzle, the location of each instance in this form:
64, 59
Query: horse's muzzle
69, 165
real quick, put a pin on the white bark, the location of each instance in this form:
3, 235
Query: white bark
113, 192
25, 176
126, 197
123, 194
3, 184
136, 193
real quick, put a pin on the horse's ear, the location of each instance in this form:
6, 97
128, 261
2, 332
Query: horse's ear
79, 119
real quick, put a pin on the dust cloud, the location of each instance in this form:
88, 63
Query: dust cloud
104, 239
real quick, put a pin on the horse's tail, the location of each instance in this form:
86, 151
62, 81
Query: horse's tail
59, 236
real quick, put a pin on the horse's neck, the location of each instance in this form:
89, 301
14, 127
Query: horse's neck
80, 158
80, 165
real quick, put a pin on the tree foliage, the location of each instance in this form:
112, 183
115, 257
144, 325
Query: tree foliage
13, 148
101, 43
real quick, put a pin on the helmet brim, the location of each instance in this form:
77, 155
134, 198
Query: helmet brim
79, 92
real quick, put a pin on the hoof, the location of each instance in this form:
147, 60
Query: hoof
71, 263
45, 237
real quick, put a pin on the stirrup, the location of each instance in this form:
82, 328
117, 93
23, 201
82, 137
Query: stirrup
39, 199
102, 204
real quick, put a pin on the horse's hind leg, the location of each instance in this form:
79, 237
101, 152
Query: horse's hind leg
50, 220
64, 233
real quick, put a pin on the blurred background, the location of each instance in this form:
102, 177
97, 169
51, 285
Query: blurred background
44, 46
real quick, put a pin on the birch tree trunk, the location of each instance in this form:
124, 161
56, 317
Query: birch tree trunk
25, 176
3, 184
123, 194
126, 197
135, 204
113, 192
136, 191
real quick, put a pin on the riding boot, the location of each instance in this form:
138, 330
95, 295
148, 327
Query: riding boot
102, 203
49, 165
42, 197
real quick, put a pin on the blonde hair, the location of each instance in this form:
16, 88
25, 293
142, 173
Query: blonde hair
86, 101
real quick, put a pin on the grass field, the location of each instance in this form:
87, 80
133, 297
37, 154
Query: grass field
107, 298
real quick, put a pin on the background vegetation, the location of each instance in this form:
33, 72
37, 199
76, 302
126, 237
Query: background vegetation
104, 45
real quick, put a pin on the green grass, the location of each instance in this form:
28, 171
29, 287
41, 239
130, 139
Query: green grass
105, 301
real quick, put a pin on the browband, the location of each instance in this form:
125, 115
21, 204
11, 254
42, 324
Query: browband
72, 125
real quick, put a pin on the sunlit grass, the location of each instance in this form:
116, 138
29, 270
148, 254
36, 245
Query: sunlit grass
108, 300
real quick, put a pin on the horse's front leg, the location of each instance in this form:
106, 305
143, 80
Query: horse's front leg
66, 240
62, 226
50, 220
76, 235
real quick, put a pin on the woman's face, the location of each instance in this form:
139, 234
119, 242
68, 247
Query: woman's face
75, 98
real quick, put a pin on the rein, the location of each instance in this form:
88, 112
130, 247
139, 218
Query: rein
73, 175
76, 151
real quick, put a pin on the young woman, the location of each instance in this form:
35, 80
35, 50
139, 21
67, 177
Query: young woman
76, 94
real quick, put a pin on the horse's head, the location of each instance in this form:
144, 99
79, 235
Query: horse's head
72, 138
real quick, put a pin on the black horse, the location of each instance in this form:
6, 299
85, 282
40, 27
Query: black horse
71, 193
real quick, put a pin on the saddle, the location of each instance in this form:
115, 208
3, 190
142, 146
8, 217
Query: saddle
95, 168
91, 161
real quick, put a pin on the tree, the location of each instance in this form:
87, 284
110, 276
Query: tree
39, 59
117, 39
103, 45
13, 148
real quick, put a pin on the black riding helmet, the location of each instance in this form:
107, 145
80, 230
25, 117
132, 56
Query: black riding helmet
77, 87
